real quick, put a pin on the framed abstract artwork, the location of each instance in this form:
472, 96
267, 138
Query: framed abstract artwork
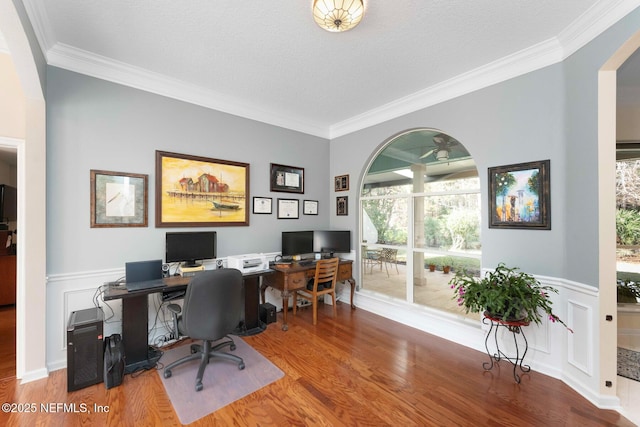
519, 196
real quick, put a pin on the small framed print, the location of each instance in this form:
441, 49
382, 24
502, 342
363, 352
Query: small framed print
118, 199
342, 206
287, 179
288, 209
342, 183
262, 205
310, 207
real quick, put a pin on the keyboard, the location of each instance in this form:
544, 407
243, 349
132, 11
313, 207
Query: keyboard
144, 285
170, 296
307, 262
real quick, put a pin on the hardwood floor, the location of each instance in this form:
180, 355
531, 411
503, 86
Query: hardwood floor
7, 341
359, 369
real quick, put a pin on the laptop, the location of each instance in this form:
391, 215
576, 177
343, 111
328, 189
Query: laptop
143, 275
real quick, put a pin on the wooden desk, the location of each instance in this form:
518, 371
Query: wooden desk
295, 276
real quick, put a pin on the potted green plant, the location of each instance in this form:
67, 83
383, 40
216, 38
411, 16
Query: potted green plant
505, 293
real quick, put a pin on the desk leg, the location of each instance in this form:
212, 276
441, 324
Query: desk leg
352, 282
135, 312
285, 309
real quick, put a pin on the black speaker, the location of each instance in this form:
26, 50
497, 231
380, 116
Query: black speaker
267, 313
84, 348
165, 270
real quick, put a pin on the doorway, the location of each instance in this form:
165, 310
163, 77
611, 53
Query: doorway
610, 112
8, 262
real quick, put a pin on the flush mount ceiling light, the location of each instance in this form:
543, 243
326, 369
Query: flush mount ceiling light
337, 15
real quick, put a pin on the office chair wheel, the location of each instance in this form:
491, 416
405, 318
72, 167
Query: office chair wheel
232, 347
241, 366
198, 386
167, 373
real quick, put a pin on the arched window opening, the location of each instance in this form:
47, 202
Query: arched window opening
420, 210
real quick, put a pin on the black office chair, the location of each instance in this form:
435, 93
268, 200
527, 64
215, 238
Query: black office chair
212, 310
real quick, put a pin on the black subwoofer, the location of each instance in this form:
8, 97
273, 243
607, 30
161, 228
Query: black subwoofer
85, 348
267, 313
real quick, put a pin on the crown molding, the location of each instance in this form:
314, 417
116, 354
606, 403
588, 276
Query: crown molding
91, 64
517, 64
40, 23
585, 28
594, 22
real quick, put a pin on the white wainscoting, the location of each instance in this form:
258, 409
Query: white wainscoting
573, 358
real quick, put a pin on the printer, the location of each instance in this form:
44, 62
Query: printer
248, 263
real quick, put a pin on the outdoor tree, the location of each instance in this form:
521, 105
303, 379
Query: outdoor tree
504, 181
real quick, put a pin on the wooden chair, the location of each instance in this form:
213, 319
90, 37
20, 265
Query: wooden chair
324, 283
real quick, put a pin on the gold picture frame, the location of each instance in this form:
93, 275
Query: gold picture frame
118, 199
195, 191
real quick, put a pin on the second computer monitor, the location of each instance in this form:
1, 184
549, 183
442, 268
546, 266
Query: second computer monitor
331, 241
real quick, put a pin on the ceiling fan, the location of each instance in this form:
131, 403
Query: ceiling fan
443, 147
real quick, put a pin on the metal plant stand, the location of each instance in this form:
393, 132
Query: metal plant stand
515, 327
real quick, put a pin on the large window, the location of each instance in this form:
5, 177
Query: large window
420, 208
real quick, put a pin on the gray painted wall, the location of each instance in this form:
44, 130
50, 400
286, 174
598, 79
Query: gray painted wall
581, 144
547, 114
518, 121
94, 124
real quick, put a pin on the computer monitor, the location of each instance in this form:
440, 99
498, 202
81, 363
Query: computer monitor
332, 241
297, 243
190, 247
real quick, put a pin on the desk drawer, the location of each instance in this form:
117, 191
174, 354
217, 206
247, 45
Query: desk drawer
297, 280
344, 272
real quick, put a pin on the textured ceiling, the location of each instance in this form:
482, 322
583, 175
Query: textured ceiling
269, 61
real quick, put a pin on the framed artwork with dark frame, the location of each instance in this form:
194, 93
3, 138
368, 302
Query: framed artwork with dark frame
342, 205
342, 183
194, 191
118, 199
288, 209
519, 196
310, 207
286, 179
262, 205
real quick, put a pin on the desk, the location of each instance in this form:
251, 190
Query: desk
295, 276
135, 316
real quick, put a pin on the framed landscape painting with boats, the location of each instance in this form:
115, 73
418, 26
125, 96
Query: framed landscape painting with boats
193, 191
